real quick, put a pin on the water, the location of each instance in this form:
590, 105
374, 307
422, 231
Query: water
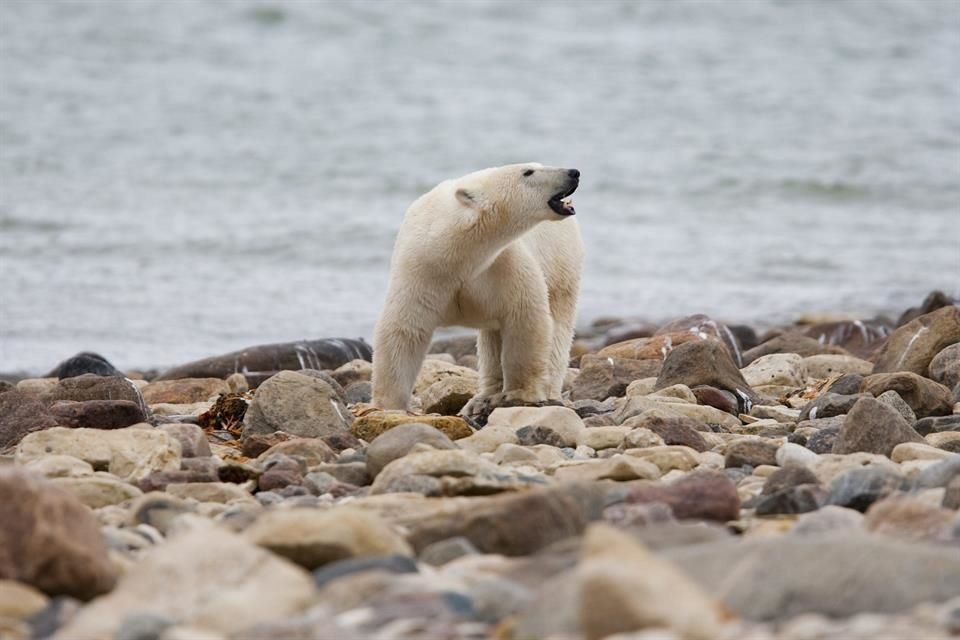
183, 178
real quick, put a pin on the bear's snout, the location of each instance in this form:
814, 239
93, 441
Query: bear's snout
574, 173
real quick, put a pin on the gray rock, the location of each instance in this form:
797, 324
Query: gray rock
829, 404
797, 499
192, 439
260, 362
398, 441
393, 563
21, 413
926, 426
925, 397
828, 518
939, 474
143, 626
360, 391
91, 387
443, 551
892, 399
823, 440
836, 574
945, 366
859, 488
158, 510
298, 404
354, 473
874, 427
530, 436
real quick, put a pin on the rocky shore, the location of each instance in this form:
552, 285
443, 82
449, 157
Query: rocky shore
699, 481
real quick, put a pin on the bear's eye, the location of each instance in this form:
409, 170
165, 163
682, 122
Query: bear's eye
528, 172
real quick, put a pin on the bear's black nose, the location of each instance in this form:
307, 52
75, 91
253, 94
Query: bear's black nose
573, 173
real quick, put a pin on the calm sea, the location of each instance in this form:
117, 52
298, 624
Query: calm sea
182, 178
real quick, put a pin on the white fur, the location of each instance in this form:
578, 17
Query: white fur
473, 252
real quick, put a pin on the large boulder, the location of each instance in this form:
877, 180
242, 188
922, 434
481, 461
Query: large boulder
209, 578
912, 346
298, 404
131, 454
48, 539
260, 362
184, 391
91, 387
797, 343
97, 414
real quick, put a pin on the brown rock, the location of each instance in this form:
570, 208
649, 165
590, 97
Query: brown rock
858, 337
913, 346
309, 451
797, 343
97, 414
653, 348
934, 300
750, 452
184, 390
512, 524
874, 427
704, 328
703, 495
373, 424
21, 413
924, 396
602, 377
908, 518
256, 444
49, 540
679, 431
703, 362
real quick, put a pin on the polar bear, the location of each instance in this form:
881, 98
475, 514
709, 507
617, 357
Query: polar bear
473, 252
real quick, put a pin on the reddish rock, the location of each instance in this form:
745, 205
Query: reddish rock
911, 519
21, 413
256, 444
49, 540
97, 414
717, 398
700, 495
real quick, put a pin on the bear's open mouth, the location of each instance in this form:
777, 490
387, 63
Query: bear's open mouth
561, 203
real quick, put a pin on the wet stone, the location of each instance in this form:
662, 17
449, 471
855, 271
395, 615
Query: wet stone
860, 488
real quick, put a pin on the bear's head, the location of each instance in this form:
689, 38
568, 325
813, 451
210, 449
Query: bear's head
528, 193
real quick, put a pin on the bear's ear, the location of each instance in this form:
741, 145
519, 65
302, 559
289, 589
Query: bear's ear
466, 198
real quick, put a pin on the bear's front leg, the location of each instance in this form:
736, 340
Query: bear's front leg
526, 338
398, 353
